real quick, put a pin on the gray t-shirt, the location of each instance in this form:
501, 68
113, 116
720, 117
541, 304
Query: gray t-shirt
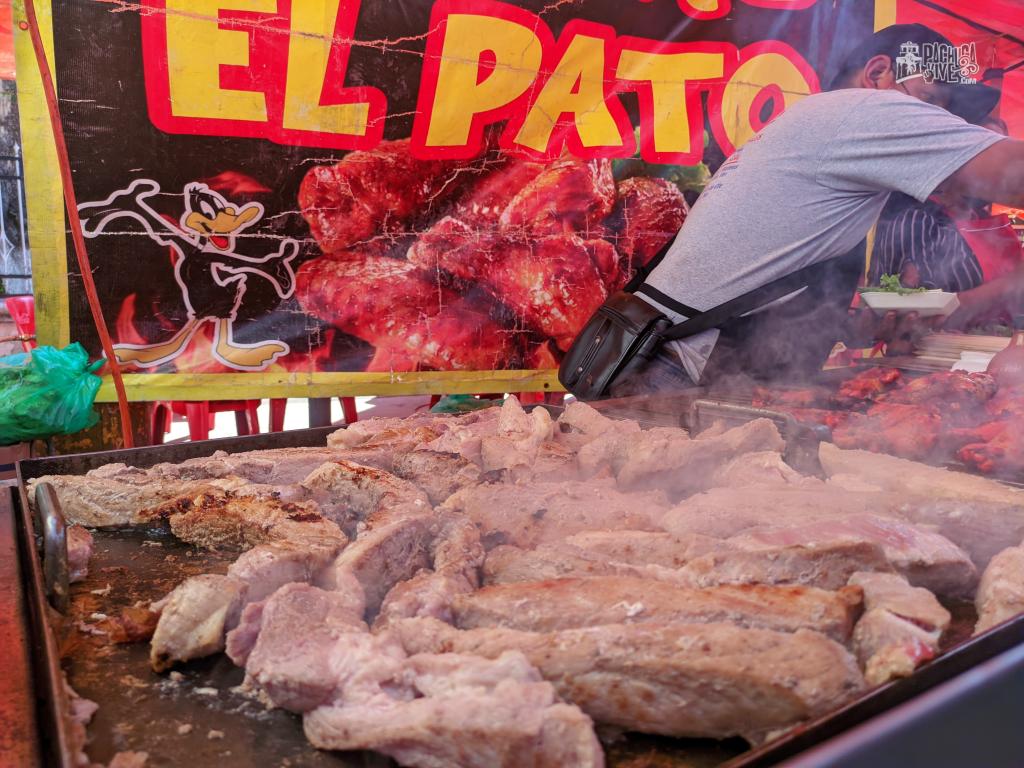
807, 188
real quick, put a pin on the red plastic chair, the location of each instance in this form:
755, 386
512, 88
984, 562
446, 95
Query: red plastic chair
23, 312
278, 406
201, 416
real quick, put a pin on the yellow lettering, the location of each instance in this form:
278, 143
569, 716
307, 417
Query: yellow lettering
309, 50
463, 91
668, 74
700, 6
576, 87
197, 48
749, 79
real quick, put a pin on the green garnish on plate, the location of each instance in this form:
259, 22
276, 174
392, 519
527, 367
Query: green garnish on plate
892, 284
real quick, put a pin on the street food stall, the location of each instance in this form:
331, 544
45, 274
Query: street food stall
315, 200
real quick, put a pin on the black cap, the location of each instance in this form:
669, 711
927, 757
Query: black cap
919, 51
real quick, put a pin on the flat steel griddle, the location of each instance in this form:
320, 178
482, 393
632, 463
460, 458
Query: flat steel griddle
200, 717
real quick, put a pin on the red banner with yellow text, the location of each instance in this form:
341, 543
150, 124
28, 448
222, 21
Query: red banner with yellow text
395, 195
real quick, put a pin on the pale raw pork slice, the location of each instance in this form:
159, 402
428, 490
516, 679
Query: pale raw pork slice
726, 512
982, 516
194, 619
532, 514
826, 565
308, 651
682, 467
925, 558
464, 711
1001, 592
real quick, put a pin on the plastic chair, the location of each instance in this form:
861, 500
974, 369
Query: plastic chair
278, 406
23, 312
201, 416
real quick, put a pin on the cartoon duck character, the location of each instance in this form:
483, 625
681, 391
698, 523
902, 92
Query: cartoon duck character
212, 277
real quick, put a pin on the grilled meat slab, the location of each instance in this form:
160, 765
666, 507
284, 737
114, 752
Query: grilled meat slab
681, 467
382, 557
701, 680
495, 714
438, 475
350, 493
549, 606
707, 563
827, 565
309, 651
982, 516
511, 565
197, 614
925, 558
215, 519
529, 515
643, 547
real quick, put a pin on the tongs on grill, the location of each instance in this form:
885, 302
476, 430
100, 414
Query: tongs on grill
802, 440
52, 540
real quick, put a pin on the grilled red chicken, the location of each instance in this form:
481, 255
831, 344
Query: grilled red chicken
909, 431
647, 217
960, 396
553, 283
372, 297
491, 190
1007, 403
1001, 453
955, 388
567, 196
375, 192
867, 385
459, 337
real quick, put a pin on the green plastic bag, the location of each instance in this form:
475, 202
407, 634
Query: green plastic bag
47, 392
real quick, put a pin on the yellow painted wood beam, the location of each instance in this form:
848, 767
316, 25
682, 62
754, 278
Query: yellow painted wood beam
252, 386
46, 232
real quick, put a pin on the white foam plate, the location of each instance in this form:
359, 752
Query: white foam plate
926, 303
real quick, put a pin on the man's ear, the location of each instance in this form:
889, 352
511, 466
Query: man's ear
878, 73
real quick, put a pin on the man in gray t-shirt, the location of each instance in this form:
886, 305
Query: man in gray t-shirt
807, 190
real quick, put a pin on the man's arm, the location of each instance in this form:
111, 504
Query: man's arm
996, 175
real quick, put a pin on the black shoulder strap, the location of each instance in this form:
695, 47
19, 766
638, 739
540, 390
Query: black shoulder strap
645, 271
699, 322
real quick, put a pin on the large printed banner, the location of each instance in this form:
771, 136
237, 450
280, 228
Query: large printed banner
339, 197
